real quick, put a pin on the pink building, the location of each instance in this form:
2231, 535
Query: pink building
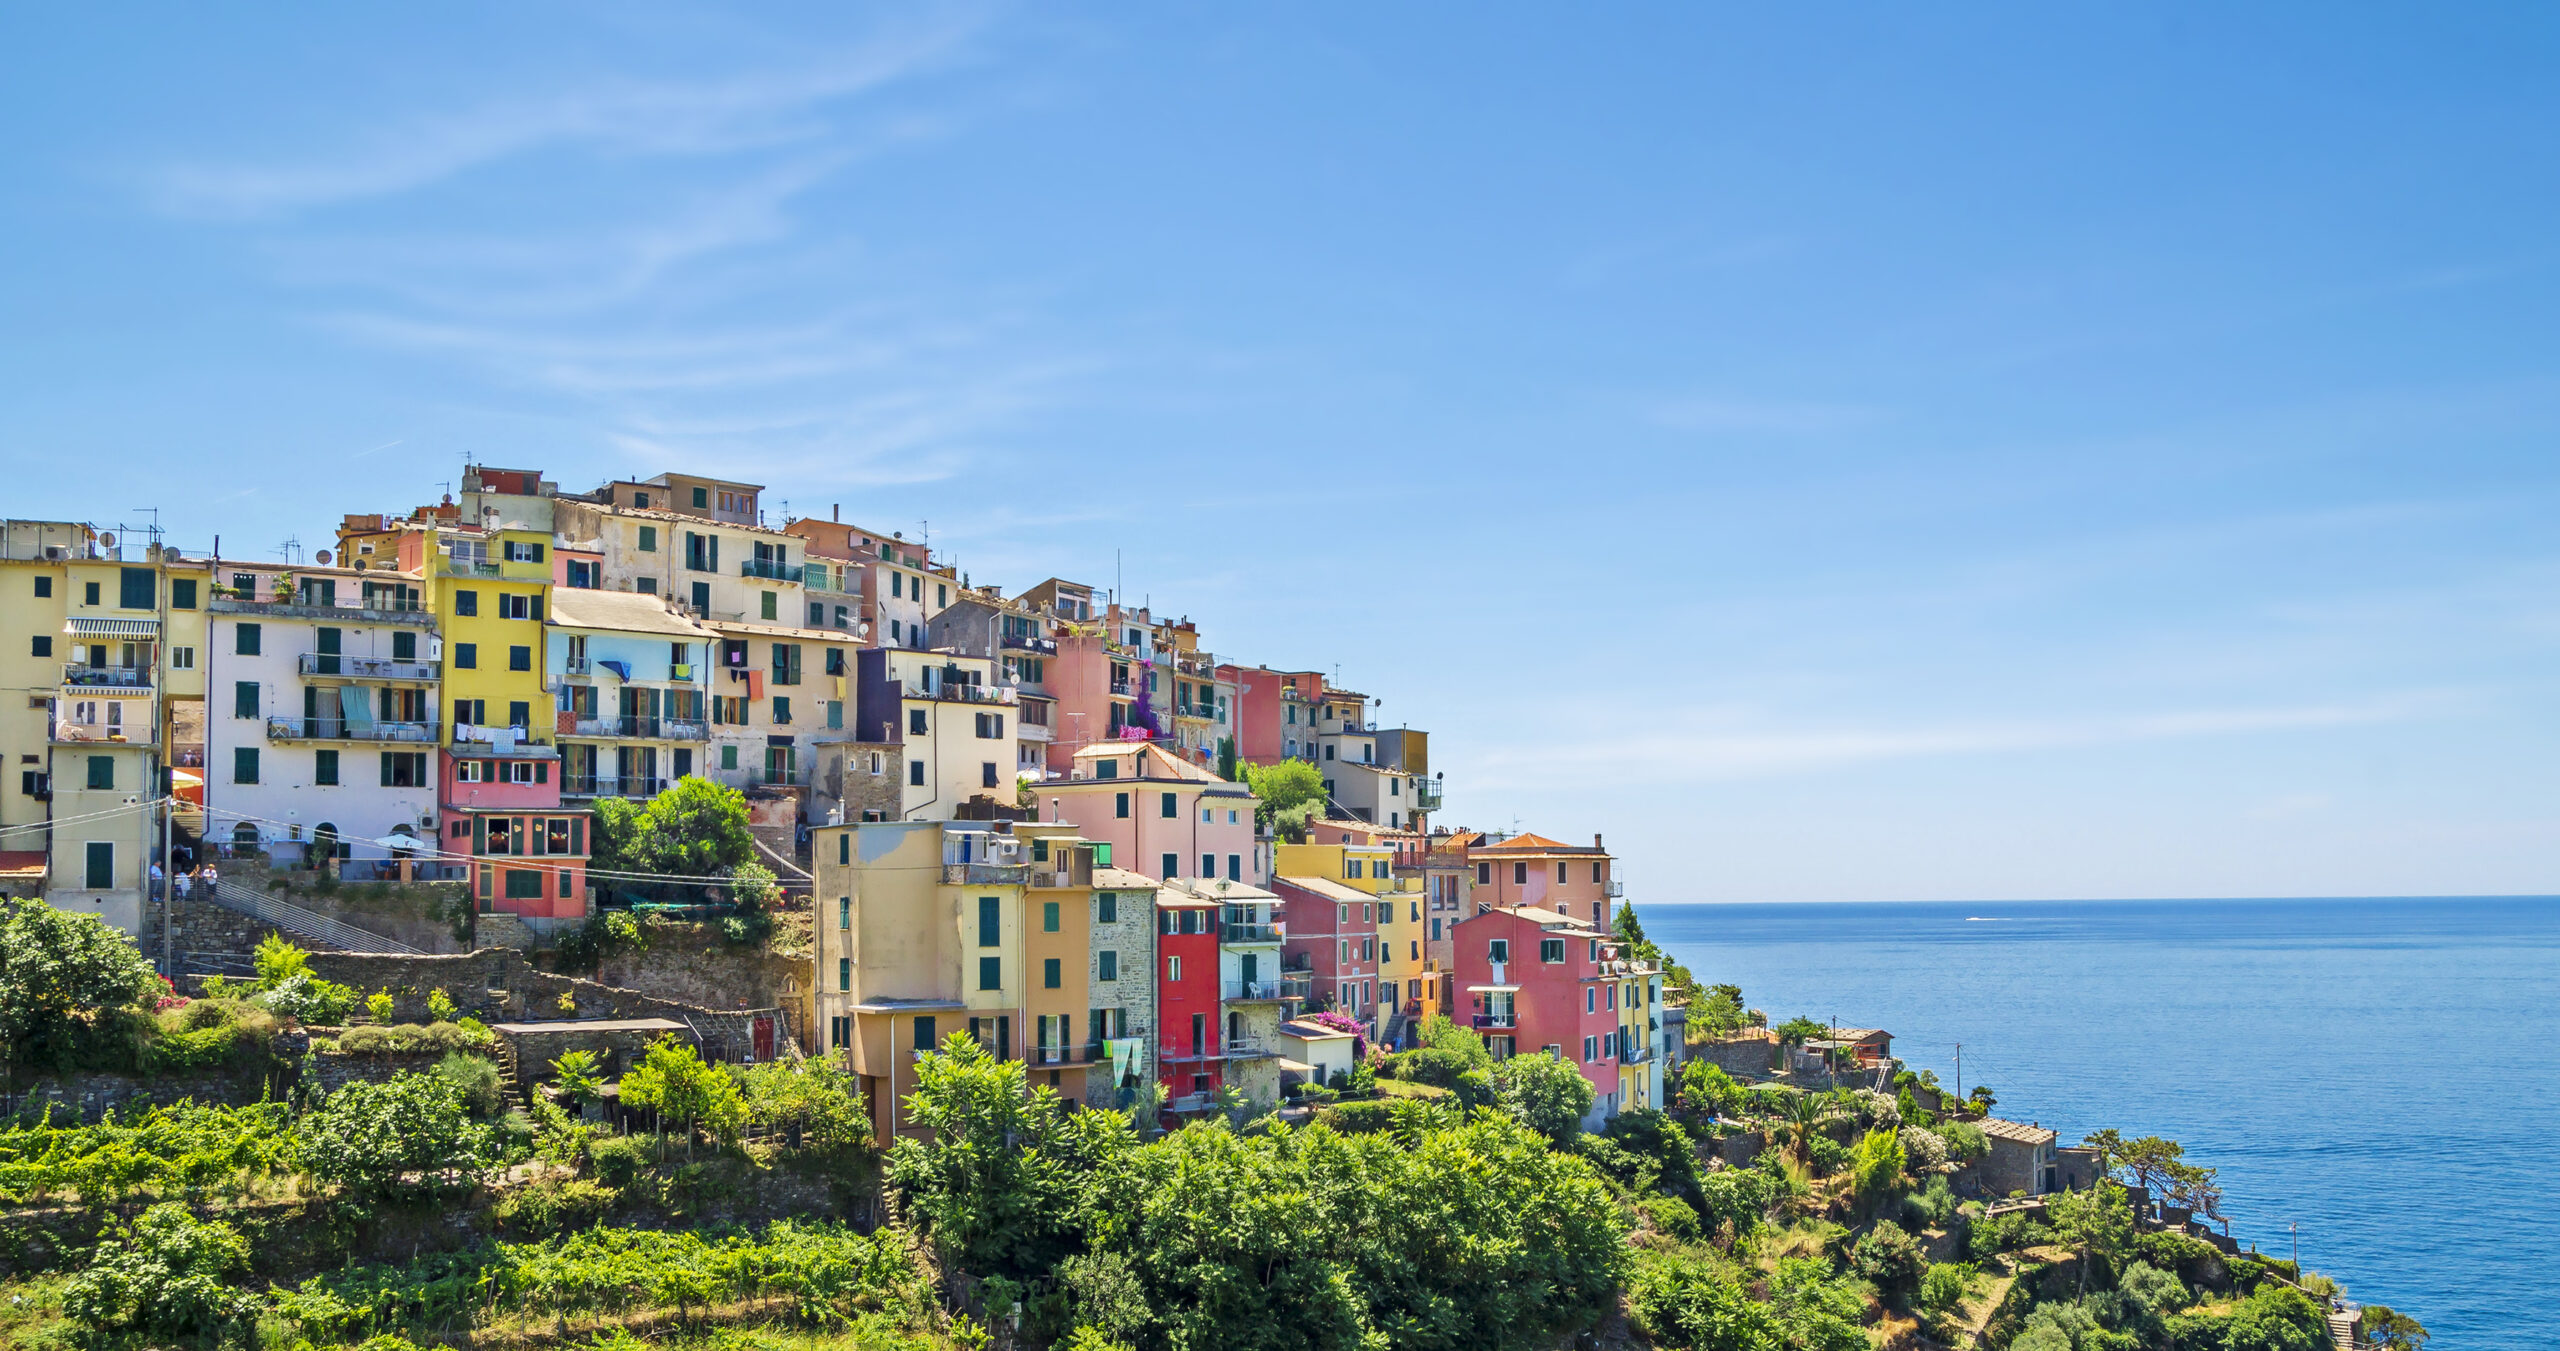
1274, 712
1162, 815
500, 814
1332, 944
1536, 980
1533, 870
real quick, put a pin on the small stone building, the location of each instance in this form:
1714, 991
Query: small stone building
2021, 1158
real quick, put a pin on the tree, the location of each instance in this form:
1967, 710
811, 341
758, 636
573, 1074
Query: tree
695, 829
2097, 1223
1692, 1306
1803, 1116
167, 1275
674, 1081
996, 1190
2277, 1318
1875, 1166
1544, 1094
1982, 1099
2387, 1327
818, 1099
1799, 1030
1890, 1258
1285, 797
371, 1136
579, 1075
1718, 1011
1706, 1089
1942, 1287
57, 970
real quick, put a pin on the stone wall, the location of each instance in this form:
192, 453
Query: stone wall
1741, 1057
2012, 1166
499, 985
336, 1069
85, 1096
694, 965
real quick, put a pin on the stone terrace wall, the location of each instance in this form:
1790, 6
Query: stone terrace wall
1743, 1058
499, 985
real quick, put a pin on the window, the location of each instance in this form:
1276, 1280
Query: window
915, 773
648, 537
844, 973
1520, 874
987, 774
990, 726
404, 769
991, 973
1597, 869
1171, 808
1173, 969
990, 921
1590, 1049
324, 768
1120, 805
1107, 964
1107, 907
1050, 975
1498, 951
781, 709
44, 586
915, 722
519, 607
1484, 874
1048, 917
89, 593
844, 912
466, 602
244, 766
924, 1032
1551, 950
182, 659
1235, 867
699, 496
524, 884
137, 589
466, 656
1208, 865
519, 716
244, 698
1435, 929
244, 640
1172, 866
182, 593
519, 658
470, 771
767, 605
1560, 867
101, 866
43, 646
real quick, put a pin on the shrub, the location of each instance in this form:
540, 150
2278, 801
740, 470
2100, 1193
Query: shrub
2159, 1291
674, 1081
1429, 1065
1829, 1155
1693, 1306
305, 998
618, 1160
1875, 1165
1672, 1216
1964, 1140
1942, 1288
1359, 1118
58, 972
579, 1076
370, 1136
440, 1006
1544, 1094
1890, 1258
409, 1038
555, 1205
377, 1006
474, 1079
1932, 1206
169, 1275
1922, 1150
2277, 1318
1738, 1196
820, 1101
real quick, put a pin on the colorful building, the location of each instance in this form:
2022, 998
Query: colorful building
1532, 870
1161, 814
630, 708
1189, 1046
1535, 980
1331, 943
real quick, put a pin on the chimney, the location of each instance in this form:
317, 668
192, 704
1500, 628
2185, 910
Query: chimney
1595, 839
835, 512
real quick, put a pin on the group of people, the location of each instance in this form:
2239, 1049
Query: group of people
187, 883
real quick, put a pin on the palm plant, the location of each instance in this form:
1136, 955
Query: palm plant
1803, 1115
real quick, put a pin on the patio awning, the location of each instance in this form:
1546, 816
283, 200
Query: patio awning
80, 626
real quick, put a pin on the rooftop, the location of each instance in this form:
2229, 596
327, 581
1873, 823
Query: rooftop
2022, 1132
1327, 888
621, 611
1121, 879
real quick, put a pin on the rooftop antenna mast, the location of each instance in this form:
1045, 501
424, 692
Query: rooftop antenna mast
154, 527
291, 550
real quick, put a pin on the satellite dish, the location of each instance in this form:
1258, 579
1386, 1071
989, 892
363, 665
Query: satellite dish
170, 553
107, 540
321, 558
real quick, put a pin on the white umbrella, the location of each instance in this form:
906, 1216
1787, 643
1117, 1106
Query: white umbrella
399, 842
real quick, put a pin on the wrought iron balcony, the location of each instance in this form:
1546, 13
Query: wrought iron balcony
83, 676
1250, 991
365, 668
773, 569
340, 729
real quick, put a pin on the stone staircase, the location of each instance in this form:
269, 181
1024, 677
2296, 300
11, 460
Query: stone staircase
498, 929
293, 919
2342, 1328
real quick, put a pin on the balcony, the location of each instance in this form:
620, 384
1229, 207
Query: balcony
960, 692
365, 668
65, 733
340, 729
1203, 712
379, 607
986, 874
1045, 647
1121, 688
1251, 991
1613, 888
79, 675
578, 666
770, 569
1426, 795
1636, 1055
1245, 1048
1497, 1020
1251, 933
1086, 1054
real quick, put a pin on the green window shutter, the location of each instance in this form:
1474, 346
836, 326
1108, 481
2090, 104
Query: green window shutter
102, 770
577, 834
138, 589
479, 834
1049, 973
991, 973
101, 867
244, 699
844, 847
542, 772
990, 921
324, 768
182, 593
245, 639
244, 764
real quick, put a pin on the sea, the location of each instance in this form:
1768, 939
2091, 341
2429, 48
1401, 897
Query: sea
2376, 1080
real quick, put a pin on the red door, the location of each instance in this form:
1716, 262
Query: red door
764, 1036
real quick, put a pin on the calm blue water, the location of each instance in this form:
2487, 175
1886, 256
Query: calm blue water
2385, 1073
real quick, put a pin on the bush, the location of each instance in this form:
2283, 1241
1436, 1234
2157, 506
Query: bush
2159, 1291
1964, 1140
2277, 1318
1691, 1305
555, 1205
1737, 1196
1829, 1155
1889, 1258
1429, 1065
409, 1038
59, 972
619, 1160
168, 1275
1933, 1206
1672, 1216
1359, 1118
1544, 1094
370, 1136
1942, 1288
1876, 1166
1922, 1150
440, 1006
473, 1078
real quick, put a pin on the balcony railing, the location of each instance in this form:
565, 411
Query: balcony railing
365, 668
1085, 1054
340, 729
1026, 643
1504, 1020
1613, 888
448, 566
1426, 795
1251, 933
608, 785
98, 734
1240, 991
579, 666
107, 677
770, 568
1245, 1048
986, 874
960, 692
1120, 687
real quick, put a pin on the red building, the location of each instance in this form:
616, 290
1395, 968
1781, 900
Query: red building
1274, 712
1332, 942
1536, 981
526, 854
1187, 1048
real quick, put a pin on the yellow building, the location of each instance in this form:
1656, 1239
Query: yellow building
1058, 954
1639, 1026
920, 934
1408, 986
490, 591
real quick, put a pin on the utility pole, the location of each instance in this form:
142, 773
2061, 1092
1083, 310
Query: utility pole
1959, 1071
2295, 1229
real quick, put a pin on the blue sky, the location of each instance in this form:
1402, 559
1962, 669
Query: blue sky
1870, 455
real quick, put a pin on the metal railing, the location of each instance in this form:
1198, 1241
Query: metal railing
449, 566
959, 692
611, 785
339, 729
1426, 796
67, 733
1244, 1048
107, 677
1497, 1020
1085, 1054
986, 874
294, 919
1251, 933
773, 569
365, 668
579, 665
1613, 888
1236, 990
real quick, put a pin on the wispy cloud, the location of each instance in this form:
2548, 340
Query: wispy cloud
1740, 752
613, 116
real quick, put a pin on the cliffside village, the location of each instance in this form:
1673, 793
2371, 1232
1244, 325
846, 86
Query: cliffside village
1021, 816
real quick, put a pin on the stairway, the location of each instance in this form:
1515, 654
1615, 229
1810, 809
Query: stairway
498, 929
510, 1088
293, 919
2342, 1329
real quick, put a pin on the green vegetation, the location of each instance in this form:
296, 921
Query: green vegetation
1286, 797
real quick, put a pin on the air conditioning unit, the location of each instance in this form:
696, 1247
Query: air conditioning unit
53, 553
